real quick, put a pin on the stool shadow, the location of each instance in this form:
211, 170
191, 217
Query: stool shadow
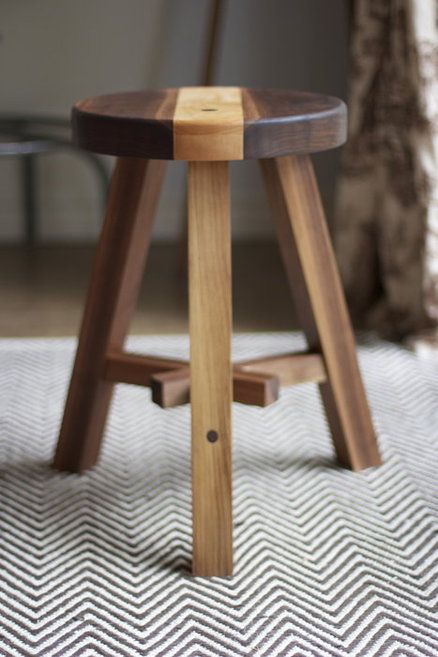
174, 558
309, 462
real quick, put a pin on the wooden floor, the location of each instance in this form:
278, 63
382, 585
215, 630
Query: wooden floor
42, 291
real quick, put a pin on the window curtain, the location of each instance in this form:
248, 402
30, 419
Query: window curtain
386, 219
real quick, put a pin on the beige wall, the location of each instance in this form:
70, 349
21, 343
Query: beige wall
55, 51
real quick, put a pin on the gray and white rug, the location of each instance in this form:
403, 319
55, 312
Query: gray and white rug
327, 562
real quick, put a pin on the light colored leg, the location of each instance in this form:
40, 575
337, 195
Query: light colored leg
210, 362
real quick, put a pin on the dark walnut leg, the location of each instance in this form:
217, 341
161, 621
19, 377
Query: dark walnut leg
315, 284
112, 295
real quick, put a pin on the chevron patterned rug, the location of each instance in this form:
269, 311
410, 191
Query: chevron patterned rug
327, 562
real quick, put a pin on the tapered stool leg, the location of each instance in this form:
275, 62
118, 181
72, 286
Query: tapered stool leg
211, 383
314, 281
114, 286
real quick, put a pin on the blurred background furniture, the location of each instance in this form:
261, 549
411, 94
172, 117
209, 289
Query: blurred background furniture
26, 137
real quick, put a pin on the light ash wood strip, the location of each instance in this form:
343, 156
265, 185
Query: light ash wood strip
211, 381
208, 124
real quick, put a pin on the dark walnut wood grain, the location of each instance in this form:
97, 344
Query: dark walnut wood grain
127, 124
269, 123
280, 122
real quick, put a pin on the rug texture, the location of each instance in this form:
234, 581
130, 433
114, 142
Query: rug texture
327, 562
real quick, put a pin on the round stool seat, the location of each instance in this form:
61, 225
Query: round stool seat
209, 123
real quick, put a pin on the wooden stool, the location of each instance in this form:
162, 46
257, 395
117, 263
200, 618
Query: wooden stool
208, 126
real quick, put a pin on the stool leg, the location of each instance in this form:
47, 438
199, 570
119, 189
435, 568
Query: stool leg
314, 281
210, 362
112, 295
